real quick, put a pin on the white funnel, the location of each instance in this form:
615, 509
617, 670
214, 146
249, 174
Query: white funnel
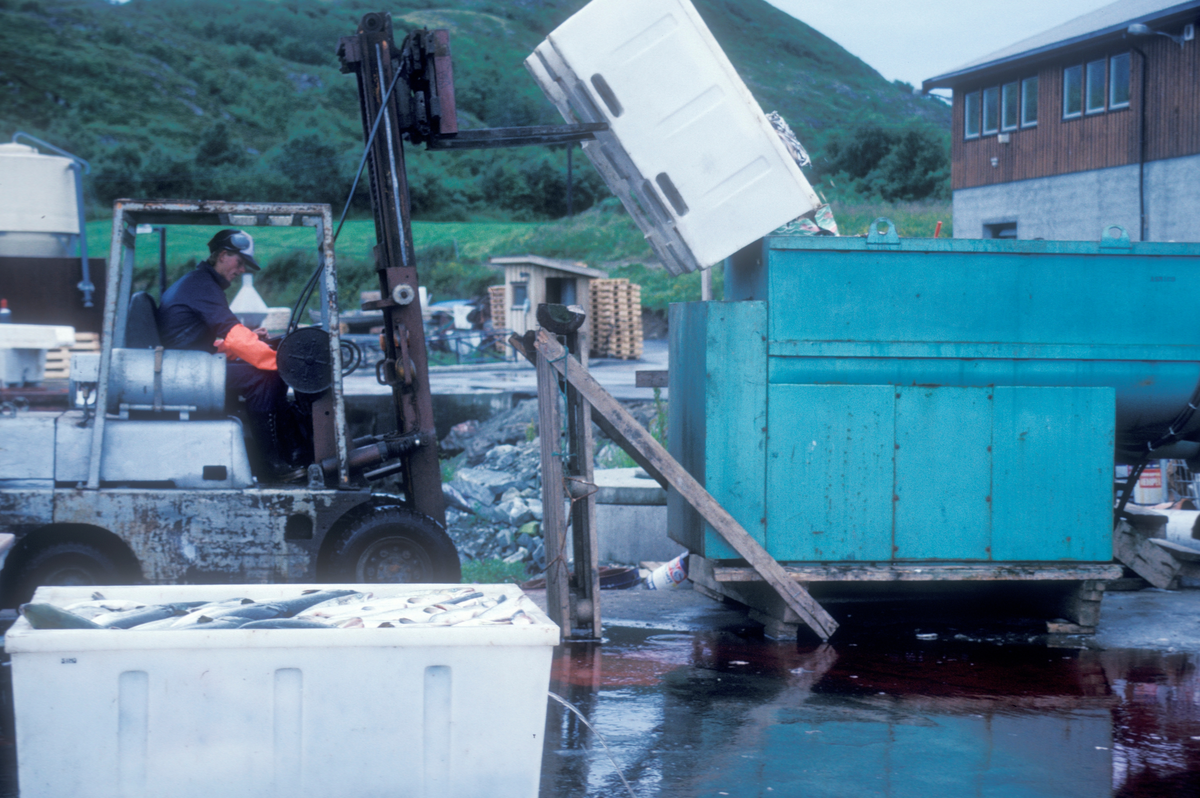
248, 306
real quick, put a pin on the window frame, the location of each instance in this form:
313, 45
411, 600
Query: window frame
1025, 82
1066, 114
967, 115
1088, 87
1015, 85
1115, 106
520, 286
983, 108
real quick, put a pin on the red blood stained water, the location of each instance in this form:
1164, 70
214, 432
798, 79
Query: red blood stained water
1142, 707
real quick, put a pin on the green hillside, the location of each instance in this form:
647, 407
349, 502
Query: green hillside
242, 99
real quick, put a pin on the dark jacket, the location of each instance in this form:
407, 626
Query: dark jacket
194, 311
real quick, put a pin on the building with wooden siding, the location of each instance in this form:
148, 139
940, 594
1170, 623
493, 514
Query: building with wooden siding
530, 280
1091, 123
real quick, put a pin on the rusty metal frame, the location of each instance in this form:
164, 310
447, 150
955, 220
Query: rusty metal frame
371, 54
128, 213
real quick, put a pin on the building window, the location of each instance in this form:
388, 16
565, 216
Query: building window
1010, 103
991, 110
971, 109
1118, 81
1096, 87
1000, 230
1072, 92
520, 293
1029, 94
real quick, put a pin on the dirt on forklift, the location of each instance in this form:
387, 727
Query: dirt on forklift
146, 476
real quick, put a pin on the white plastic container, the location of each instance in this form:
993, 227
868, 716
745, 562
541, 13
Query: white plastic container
409, 711
689, 151
23, 350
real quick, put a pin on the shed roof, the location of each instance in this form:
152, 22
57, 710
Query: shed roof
1107, 22
570, 266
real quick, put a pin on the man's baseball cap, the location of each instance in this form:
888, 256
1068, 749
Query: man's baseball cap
236, 241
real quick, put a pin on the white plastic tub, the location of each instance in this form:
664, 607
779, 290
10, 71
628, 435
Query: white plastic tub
409, 711
688, 150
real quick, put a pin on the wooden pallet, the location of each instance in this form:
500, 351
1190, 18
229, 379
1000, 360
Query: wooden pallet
499, 309
58, 361
1080, 611
616, 318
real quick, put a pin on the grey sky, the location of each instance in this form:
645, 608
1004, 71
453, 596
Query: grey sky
913, 41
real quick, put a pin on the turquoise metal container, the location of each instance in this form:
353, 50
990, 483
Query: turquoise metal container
888, 399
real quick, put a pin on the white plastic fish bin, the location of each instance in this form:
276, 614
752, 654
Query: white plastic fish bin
689, 152
407, 711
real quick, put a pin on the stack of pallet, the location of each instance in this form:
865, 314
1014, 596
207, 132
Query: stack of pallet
496, 294
616, 319
58, 361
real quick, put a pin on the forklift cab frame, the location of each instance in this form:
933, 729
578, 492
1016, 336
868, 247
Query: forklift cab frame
329, 416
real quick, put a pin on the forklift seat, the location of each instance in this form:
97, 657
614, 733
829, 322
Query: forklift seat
141, 323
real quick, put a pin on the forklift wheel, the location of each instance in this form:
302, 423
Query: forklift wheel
395, 545
66, 563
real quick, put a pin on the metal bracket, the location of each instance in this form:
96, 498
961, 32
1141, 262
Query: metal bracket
1114, 236
877, 239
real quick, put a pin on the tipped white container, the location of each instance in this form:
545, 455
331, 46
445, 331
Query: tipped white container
414, 710
688, 150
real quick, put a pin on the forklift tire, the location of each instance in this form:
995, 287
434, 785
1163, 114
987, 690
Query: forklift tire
66, 563
394, 545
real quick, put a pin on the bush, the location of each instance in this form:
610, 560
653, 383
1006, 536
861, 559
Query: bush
910, 163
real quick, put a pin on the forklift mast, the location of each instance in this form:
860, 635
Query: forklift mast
371, 54
408, 93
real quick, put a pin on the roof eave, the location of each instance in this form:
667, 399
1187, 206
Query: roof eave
949, 79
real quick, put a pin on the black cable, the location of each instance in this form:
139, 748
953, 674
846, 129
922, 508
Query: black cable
306, 292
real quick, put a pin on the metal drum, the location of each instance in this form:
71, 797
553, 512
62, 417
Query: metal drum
170, 379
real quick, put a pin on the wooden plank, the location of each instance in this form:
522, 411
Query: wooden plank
554, 527
1181, 553
1082, 605
583, 510
928, 572
518, 343
763, 605
1145, 559
631, 435
651, 379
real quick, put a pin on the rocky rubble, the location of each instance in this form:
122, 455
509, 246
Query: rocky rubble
494, 494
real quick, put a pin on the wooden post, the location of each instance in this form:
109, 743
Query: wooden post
583, 508
631, 436
554, 532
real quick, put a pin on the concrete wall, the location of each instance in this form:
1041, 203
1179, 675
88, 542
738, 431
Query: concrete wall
1076, 207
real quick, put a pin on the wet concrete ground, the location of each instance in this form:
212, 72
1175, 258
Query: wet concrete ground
692, 700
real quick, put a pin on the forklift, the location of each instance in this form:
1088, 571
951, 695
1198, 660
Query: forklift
146, 477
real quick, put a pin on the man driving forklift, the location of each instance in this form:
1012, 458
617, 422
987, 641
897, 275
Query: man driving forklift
194, 314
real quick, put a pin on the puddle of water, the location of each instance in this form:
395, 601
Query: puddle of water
715, 713
721, 711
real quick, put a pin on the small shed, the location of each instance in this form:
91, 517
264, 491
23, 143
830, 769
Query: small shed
530, 280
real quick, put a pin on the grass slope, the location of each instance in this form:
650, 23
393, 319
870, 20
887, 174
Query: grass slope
228, 97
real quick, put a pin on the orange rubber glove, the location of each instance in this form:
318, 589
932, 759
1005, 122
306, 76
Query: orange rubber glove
240, 342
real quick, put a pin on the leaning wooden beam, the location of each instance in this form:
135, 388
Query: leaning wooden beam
525, 347
632, 436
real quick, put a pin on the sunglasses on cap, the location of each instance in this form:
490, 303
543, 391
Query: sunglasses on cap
236, 241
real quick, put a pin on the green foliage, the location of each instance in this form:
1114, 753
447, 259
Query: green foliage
243, 100
492, 572
912, 219
912, 163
